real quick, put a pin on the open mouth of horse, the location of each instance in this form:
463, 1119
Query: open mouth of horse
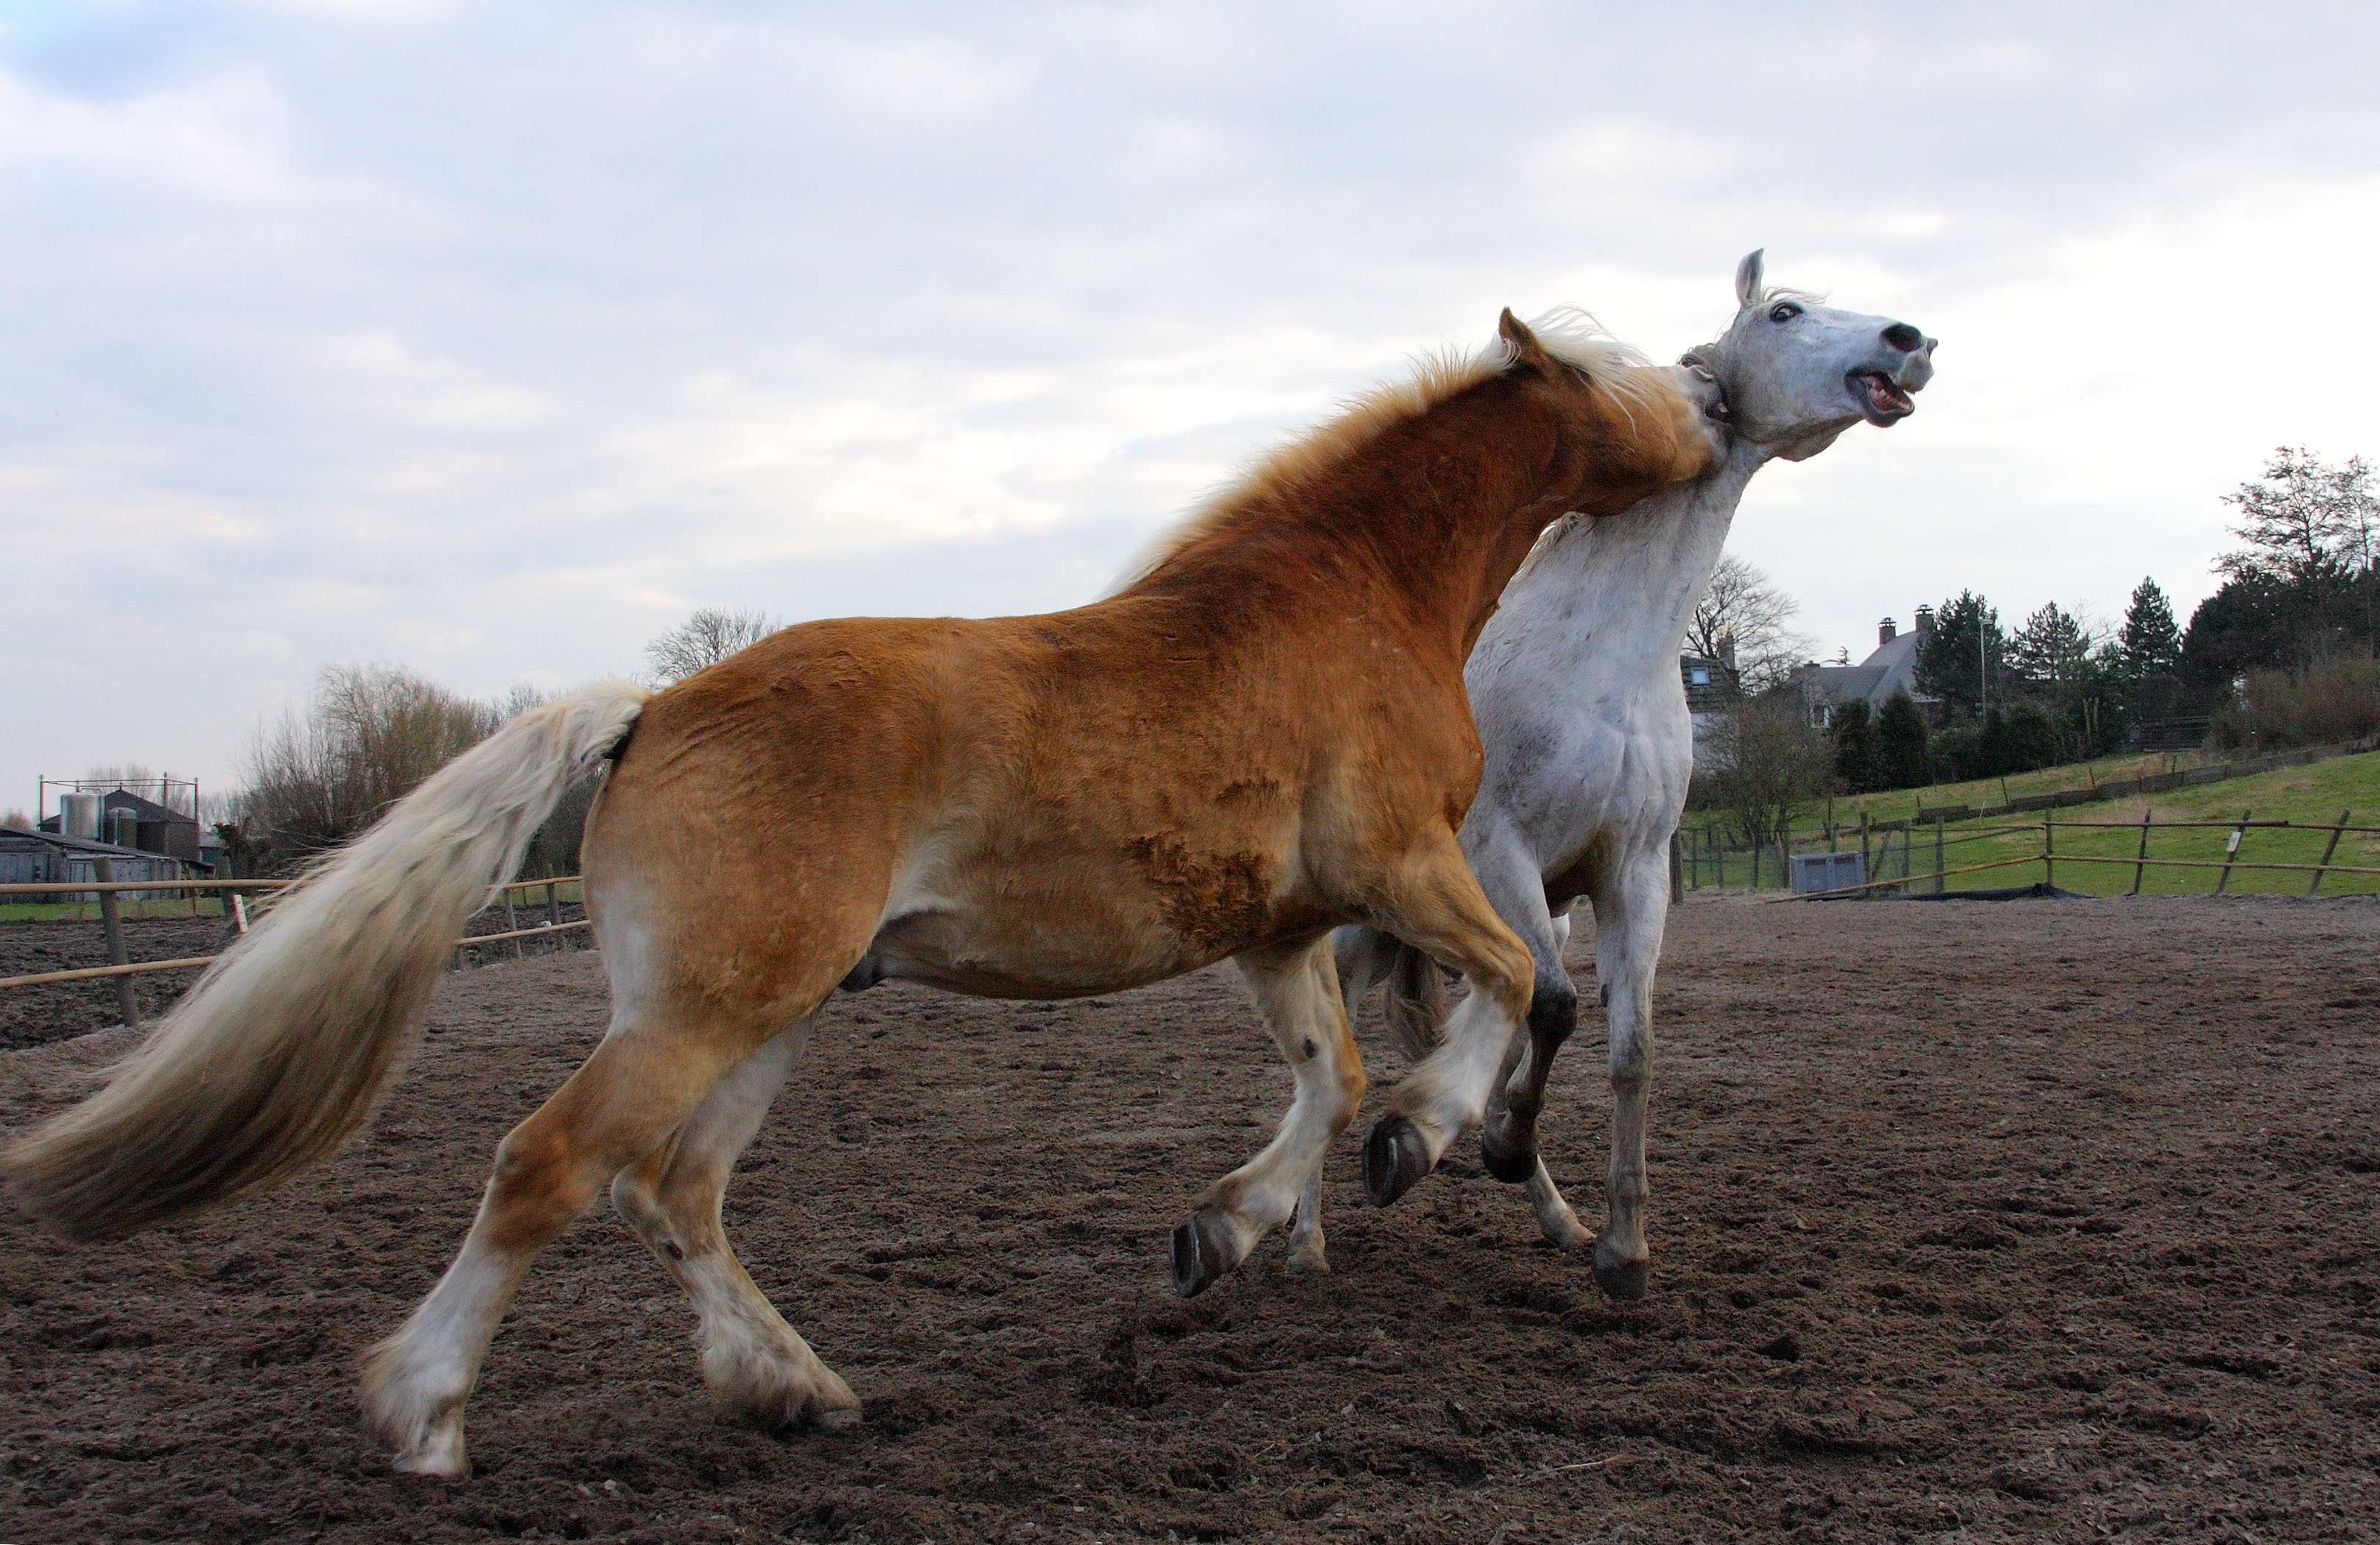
1883, 401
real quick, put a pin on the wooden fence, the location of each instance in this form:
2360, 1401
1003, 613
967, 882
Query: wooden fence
122, 969
2138, 862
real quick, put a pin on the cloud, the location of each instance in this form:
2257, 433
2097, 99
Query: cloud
493, 339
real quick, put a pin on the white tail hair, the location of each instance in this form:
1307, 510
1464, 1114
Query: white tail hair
285, 1047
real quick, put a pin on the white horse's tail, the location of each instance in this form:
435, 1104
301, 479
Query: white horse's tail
287, 1042
1416, 1003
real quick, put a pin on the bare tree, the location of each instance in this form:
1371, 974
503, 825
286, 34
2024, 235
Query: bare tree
704, 640
16, 821
372, 734
1745, 608
1761, 760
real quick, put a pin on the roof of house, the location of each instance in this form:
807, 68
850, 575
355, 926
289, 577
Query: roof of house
147, 810
1891, 669
78, 845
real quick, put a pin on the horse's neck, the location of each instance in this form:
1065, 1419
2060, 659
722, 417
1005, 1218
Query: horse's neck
1615, 595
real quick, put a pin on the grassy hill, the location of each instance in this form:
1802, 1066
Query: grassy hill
2310, 795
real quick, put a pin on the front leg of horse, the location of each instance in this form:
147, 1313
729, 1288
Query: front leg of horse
1508, 1141
1441, 910
1630, 916
1297, 990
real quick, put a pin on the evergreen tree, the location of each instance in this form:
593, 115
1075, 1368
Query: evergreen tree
1902, 756
2030, 739
1991, 746
1963, 655
2149, 643
1854, 748
2049, 651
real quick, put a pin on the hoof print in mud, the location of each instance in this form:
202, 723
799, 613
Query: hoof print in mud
1509, 1158
1202, 1252
1395, 1159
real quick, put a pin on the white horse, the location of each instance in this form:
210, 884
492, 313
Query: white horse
1575, 687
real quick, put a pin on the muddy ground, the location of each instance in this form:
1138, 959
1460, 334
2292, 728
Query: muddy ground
2039, 1220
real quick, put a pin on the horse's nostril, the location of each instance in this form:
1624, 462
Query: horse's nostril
1903, 336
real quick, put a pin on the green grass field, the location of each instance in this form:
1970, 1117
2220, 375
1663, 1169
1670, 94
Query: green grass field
2312, 795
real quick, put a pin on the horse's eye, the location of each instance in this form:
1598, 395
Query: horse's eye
1784, 310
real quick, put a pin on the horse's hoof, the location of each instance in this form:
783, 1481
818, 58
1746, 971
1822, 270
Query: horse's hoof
1202, 1252
1623, 1280
1509, 1157
1305, 1261
838, 1422
1395, 1159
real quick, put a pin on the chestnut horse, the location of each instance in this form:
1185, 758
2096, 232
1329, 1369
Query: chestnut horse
1264, 736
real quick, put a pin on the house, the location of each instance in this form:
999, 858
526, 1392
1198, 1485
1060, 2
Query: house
1888, 672
1710, 687
48, 859
155, 828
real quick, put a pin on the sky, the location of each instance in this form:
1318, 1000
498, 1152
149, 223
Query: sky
491, 339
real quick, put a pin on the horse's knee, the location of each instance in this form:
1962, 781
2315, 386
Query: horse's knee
1553, 1012
1509, 978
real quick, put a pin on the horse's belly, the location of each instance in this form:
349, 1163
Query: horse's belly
1026, 957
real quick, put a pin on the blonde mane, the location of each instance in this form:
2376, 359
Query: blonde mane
1567, 333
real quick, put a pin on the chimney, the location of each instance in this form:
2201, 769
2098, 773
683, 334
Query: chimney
1926, 619
1885, 632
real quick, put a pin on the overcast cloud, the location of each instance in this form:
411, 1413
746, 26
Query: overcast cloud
491, 339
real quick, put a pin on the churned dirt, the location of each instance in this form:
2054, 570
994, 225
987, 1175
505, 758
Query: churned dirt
2039, 1221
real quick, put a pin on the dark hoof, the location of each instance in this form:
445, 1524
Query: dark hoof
1623, 1280
1202, 1252
1509, 1148
1395, 1159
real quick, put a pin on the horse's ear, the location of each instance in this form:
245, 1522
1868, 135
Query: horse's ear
1747, 278
1519, 340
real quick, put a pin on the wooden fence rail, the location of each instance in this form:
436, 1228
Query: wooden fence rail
57, 887
89, 973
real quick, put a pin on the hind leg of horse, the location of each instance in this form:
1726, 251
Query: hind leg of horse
1631, 908
1435, 904
1296, 989
1366, 958
751, 1359
624, 1101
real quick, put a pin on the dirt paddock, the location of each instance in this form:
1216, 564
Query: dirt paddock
2039, 1220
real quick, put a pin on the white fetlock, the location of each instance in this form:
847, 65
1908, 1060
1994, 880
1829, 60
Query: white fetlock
768, 1374
440, 1453
422, 1422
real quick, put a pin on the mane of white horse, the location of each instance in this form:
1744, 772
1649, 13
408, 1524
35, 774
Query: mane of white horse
1567, 333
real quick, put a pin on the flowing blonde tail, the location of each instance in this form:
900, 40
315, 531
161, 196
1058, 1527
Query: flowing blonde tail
287, 1042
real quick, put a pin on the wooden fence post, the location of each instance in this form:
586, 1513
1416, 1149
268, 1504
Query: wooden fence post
1940, 865
104, 869
2048, 852
2329, 848
2232, 851
1677, 871
2140, 865
512, 924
